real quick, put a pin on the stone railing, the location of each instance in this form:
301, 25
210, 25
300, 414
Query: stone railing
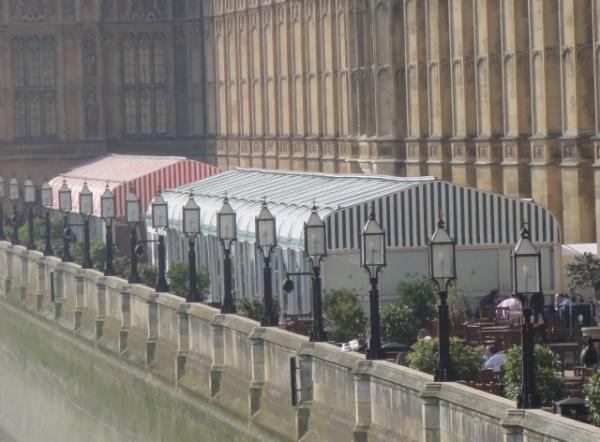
230, 363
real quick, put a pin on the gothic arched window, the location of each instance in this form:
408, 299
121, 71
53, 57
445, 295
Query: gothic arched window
144, 84
34, 79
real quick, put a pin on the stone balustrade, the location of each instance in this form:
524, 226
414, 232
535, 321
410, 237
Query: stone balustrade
245, 373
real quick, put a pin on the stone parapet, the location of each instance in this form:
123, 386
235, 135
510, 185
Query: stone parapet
267, 382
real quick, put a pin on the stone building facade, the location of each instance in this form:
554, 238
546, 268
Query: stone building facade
83, 77
503, 95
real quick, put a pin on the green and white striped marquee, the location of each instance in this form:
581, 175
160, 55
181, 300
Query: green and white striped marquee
407, 208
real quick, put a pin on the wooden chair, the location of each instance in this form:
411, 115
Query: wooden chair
515, 318
502, 315
472, 333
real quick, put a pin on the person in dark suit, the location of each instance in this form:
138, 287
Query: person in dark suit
491, 299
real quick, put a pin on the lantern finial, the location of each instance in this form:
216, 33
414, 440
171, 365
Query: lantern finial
372, 212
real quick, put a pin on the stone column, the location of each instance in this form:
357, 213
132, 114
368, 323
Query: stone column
79, 300
362, 389
125, 319
184, 340
59, 284
577, 174
487, 164
438, 88
515, 169
430, 412
257, 350
101, 299
218, 354
416, 88
305, 361
488, 94
463, 167
545, 175
152, 336
24, 284
42, 284
512, 423
515, 95
460, 17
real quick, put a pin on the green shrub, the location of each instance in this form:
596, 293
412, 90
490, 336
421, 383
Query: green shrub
465, 360
550, 387
419, 295
416, 304
147, 274
253, 307
98, 253
122, 266
178, 277
343, 314
398, 324
592, 397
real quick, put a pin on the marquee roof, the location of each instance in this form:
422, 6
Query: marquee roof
145, 173
407, 207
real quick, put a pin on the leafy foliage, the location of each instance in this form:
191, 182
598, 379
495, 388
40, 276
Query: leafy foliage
584, 272
415, 305
398, 324
464, 359
253, 307
344, 315
148, 274
550, 387
178, 277
419, 295
592, 397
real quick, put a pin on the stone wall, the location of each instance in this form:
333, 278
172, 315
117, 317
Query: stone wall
120, 362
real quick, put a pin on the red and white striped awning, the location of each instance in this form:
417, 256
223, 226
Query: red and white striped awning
145, 174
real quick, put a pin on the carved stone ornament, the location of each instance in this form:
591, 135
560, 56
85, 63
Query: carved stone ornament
459, 151
509, 151
412, 151
33, 10
538, 152
570, 152
89, 54
433, 151
91, 115
482, 152
68, 10
143, 9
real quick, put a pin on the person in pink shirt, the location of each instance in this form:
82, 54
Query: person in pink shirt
513, 303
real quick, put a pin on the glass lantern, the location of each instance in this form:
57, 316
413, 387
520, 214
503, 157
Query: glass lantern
226, 222
160, 213
266, 235
527, 266
29, 190
86, 201
107, 205
13, 190
442, 254
314, 236
64, 197
133, 208
46, 193
191, 217
373, 253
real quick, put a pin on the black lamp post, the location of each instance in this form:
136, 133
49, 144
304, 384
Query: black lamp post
64, 204
2, 196
107, 209
13, 194
315, 249
227, 234
160, 222
527, 280
191, 229
47, 202
133, 210
29, 191
266, 241
86, 208
443, 271
373, 259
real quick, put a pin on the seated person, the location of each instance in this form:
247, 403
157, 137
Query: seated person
494, 358
491, 299
561, 301
513, 304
